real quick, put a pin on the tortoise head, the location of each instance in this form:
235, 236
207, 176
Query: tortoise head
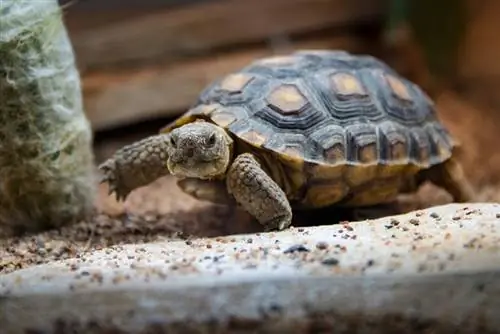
200, 150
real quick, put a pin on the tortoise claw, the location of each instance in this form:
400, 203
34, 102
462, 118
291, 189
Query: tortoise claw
120, 194
108, 170
105, 179
111, 190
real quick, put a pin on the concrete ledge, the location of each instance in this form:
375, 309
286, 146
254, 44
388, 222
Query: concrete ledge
436, 270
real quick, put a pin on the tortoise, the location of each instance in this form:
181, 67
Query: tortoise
304, 130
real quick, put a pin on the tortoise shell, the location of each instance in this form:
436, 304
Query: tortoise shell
333, 127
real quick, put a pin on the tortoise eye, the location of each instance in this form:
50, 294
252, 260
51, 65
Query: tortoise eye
211, 140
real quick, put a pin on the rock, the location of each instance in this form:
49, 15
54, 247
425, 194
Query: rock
434, 270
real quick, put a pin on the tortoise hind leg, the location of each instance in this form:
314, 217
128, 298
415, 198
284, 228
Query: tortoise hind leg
450, 176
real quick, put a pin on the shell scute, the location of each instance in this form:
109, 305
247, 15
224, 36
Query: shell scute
287, 99
363, 143
394, 143
346, 95
346, 85
332, 141
236, 82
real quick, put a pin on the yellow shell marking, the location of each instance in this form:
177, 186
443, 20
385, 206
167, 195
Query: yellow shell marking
398, 151
347, 84
235, 82
325, 172
191, 115
399, 89
292, 157
287, 99
424, 155
223, 119
442, 150
335, 154
276, 60
253, 137
358, 175
204, 109
388, 171
327, 194
292, 152
368, 153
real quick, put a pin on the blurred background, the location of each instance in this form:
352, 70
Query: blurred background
144, 62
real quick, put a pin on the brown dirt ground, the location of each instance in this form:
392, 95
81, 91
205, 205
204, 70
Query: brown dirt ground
161, 211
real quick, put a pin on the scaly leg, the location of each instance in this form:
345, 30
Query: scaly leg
450, 176
136, 165
205, 190
258, 194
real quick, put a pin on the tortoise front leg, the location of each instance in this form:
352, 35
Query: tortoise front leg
206, 190
136, 165
258, 194
450, 176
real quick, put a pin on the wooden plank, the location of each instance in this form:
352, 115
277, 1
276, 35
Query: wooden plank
123, 97
88, 15
198, 29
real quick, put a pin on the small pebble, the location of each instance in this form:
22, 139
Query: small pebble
296, 248
331, 261
321, 245
414, 221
